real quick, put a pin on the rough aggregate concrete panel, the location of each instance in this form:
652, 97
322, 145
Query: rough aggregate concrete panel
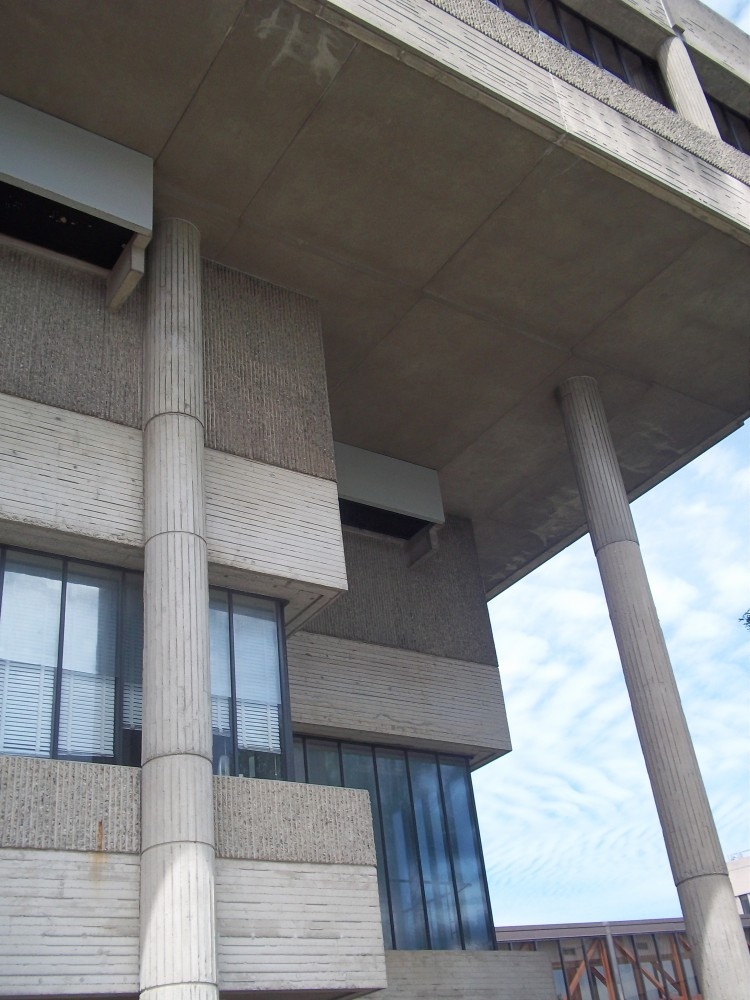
437, 606
287, 821
455, 975
68, 806
60, 345
265, 385
585, 76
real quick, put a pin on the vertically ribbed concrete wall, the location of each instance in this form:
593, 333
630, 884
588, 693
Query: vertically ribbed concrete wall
436, 606
60, 345
266, 393
178, 927
700, 874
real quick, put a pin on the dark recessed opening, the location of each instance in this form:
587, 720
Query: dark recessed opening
45, 223
384, 522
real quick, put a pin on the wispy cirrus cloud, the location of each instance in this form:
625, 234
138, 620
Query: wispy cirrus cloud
568, 821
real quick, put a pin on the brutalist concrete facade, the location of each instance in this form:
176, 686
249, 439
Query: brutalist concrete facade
402, 226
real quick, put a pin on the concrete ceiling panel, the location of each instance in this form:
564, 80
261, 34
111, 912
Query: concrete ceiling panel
393, 170
688, 329
568, 246
436, 382
127, 75
271, 72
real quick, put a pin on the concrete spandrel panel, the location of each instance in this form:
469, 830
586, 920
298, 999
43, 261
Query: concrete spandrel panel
86, 63
568, 246
424, 389
393, 171
270, 74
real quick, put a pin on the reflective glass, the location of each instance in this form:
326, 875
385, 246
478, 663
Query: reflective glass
466, 852
87, 695
359, 772
606, 52
221, 683
577, 36
257, 687
399, 841
576, 972
437, 875
132, 670
323, 763
649, 966
29, 631
519, 9
545, 19
552, 950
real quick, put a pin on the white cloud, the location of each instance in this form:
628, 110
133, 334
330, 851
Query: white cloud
568, 822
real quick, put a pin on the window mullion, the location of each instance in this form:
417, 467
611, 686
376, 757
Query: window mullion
385, 850
232, 687
287, 737
54, 741
413, 813
449, 847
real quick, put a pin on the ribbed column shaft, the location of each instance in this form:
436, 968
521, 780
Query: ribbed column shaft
682, 82
698, 867
178, 927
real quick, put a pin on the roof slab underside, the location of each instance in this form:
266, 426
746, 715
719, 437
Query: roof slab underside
467, 255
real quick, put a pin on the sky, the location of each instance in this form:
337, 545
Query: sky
568, 823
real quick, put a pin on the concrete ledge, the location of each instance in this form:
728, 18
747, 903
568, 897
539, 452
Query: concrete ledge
455, 975
61, 805
287, 821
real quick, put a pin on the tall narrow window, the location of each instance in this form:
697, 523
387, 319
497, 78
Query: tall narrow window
249, 712
433, 890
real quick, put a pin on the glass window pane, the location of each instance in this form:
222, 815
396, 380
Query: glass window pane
299, 760
257, 687
221, 682
577, 36
741, 131
649, 966
687, 964
606, 51
519, 9
576, 973
359, 772
465, 848
132, 670
322, 762
29, 633
552, 951
546, 19
437, 877
400, 844
87, 697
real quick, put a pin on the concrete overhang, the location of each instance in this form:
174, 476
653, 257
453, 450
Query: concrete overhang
475, 229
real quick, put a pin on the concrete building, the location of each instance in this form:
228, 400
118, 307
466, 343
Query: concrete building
463, 240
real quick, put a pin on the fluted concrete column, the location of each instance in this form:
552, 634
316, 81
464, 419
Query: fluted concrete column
700, 874
178, 928
682, 83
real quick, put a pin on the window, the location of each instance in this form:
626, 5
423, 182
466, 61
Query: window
249, 707
580, 35
71, 648
71, 636
433, 889
733, 127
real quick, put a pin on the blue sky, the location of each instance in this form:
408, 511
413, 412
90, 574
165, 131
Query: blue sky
568, 822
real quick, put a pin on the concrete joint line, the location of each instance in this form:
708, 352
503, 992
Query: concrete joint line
180, 754
183, 840
692, 878
617, 541
180, 982
176, 531
175, 413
